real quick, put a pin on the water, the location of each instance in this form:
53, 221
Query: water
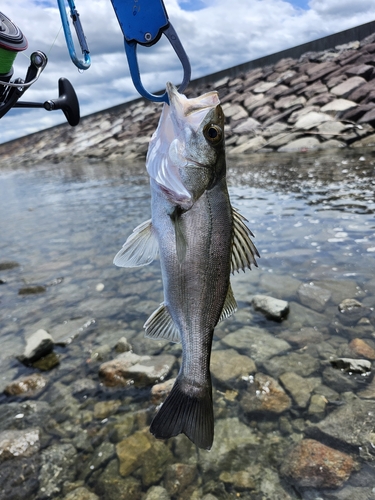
313, 217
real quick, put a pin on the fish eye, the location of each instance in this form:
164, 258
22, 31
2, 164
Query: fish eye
213, 133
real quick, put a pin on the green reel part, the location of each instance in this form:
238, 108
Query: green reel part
12, 41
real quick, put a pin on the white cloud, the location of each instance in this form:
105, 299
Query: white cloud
218, 36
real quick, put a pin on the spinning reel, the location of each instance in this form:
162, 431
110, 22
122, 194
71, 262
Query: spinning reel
13, 41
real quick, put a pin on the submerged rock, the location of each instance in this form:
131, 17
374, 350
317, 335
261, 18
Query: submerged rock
31, 290
129, 368
104, 409
228, 365
272, 308
299, 387
351, 311
312, 464
178, 476
313, 296
362, 348
160, 391
111, 486
123, 345
48, 362
81, 493
39, 344
58, 466
23, 443
266, 395
31, 385
4, 266
352, 365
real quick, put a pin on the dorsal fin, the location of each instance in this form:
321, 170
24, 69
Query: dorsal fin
140, 249
243, 249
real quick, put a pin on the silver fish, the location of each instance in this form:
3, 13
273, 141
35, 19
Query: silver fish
201, 239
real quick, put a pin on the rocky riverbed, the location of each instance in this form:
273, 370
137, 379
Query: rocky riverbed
293, 369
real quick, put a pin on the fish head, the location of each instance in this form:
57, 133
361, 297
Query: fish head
186, 152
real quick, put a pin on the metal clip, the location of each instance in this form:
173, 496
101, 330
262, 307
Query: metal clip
143, 22
84, 63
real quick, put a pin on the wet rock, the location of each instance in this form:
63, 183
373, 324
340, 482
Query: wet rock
312, 464
303, 144
81, 493
272, 308
242, 480
317, 406
339, 381
265, 394
280, 286
58, 466
123, 345
352, 424
257, 343
5, 266
300, 363
231, 446
352, 365
352, 311
102, 455
32, 290
157, 493
313, 296
160, 391
39, 344
83, 387
100, 353
228, 365
129, 368
306, 316
369, 392
111, 486
123, 427
19, 443
31, 385
361, 348
48, 362
142, 450
305, 336
65, 333
19, 478
105, 409
178, 477
299, 387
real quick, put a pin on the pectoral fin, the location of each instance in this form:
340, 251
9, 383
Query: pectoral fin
243, 249
230, 305
140, 249
181, 244
160, 325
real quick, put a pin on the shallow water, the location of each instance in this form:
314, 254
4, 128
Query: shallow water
313, 218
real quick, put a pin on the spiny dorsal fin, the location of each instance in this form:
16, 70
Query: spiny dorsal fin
160, 325
230, 305
140, 249
243, 249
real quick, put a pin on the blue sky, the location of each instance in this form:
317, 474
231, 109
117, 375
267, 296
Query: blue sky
216, 34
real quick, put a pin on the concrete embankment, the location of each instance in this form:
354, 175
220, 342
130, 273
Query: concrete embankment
296, 100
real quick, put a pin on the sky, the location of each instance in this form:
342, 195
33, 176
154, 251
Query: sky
216, 35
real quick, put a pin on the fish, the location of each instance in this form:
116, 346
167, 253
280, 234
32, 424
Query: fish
200, 240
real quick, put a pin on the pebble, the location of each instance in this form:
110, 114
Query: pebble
265, 394
315, 465
30, 385
228, 365
129, 368
39, 344
272, 308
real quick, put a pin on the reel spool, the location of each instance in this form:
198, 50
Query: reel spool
12, 41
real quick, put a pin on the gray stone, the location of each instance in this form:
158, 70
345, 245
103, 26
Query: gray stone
352, 365
234, 110
339, 381
81, 493
253, 144
272, 308
111, 486
283, 287
30, 385
157, 493
313, 296
303, 337
58, 466
264, 394
331, 129
257, 343
247, 126
311, 120
300, 363
228, 365
263, 87
19, 443
130, 368
338, 105
303, 144
178, 476
39, 344
300, 388
345, 88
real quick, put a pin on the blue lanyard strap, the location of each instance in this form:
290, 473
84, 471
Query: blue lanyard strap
86, 61
143, 22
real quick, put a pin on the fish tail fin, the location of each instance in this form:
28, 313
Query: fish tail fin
189, 414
